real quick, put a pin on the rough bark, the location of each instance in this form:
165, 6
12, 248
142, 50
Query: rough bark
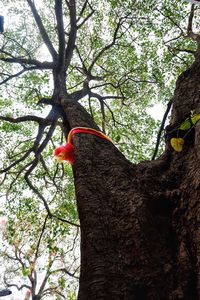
140, 234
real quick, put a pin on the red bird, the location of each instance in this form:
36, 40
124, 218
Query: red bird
66, 152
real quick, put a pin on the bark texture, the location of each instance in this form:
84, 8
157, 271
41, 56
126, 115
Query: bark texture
140, 233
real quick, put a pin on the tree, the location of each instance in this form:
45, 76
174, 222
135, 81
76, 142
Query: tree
43, 264
138, 222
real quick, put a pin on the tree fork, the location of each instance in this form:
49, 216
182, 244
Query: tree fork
139, 223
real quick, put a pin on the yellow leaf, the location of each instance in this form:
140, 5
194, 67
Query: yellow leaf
177, 144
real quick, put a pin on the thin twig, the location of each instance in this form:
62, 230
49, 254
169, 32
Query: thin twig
65, 221
42, 30
31, 186
161, 128
18, 74
107, 47
40, 238
17, 161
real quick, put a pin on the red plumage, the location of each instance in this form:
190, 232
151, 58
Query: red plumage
65, 153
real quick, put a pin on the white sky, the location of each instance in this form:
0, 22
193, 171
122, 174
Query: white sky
157, 111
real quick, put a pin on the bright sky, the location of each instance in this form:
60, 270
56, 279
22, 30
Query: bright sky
157, 111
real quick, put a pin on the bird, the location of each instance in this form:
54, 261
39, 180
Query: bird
66, 152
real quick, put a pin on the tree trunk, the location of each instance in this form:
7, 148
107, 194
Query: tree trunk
140, 234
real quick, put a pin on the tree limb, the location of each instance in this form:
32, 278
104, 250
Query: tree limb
64, 270
40, 238
18, 175
194, 36
45, 65
18, 74
61, 34
107, 47
38, 151
42, 30
190, 21
161, 128
77, 95
65, 221
21, 46
171, 20
81, 13
41, 289
182, 50
26, 118
19, 288
82, 61
17, 161
95, 95
82, 10
72, 34
31, 186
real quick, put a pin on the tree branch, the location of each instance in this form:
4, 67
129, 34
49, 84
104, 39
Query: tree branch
82, 10
64, 270
26, 177
65, 221
19, 288
42, 30
41, 289
17, 161
194, 36
26, 118
18, 74
18, 175
82, 61
52, 290
81, 13
38, 151
48, 137
61, 34
171, 20
161, 128
95, 95
190, 20
77, 95
26, 61
40, 238
72, 34
106, 47
21, 46
182, 50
